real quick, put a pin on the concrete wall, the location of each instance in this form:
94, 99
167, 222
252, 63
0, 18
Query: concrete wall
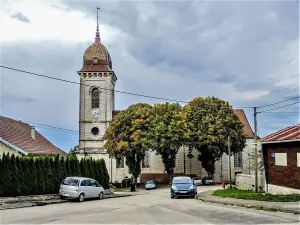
247, 181
6, 149
279, 190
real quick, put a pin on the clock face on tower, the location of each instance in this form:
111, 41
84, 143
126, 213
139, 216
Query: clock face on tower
95, 113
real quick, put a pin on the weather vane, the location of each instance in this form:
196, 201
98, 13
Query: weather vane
98, 17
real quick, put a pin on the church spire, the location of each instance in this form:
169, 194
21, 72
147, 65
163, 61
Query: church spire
97, 38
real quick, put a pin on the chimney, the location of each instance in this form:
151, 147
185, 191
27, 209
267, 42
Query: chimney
33, 132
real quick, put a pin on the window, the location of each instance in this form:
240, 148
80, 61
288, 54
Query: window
95, 130
280, 159
238, 159
95, 183
86, 183
298, 159
120, 163
70, 182
146, 161
95, 98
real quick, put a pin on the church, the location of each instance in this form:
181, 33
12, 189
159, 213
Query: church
97, 110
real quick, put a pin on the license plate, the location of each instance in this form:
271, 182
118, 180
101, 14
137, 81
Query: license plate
182, 191
67, 195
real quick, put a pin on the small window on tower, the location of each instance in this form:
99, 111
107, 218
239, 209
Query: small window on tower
95, 130
95, 98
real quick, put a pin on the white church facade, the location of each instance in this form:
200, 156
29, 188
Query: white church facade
97, 109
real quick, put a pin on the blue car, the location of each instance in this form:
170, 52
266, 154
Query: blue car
183, 186
150, 184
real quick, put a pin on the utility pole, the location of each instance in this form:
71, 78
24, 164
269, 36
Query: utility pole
184, 160
229, 161
255, 149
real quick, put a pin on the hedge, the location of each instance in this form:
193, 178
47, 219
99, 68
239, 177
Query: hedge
28, 175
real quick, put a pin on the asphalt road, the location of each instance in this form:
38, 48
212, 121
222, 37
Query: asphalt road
153, 207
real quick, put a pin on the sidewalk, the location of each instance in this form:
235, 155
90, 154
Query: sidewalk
41, 200
289, 207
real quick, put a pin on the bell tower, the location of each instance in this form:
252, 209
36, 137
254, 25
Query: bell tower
97, 83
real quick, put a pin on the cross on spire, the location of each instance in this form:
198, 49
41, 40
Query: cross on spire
97, 38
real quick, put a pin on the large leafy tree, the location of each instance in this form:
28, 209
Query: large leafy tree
168, 133
210, 120
125, 136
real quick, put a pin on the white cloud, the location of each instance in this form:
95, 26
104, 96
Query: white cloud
50, 22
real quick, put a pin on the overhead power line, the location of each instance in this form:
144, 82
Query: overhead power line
122, 92
279, 102
278, 107
73, 82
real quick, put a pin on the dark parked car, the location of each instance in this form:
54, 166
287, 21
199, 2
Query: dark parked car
183, 186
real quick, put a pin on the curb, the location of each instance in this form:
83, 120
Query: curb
265, 208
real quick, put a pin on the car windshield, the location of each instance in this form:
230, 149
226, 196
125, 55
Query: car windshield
149, 182
70, 182
182, 180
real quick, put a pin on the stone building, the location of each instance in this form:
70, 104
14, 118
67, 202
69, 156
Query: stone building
97, 109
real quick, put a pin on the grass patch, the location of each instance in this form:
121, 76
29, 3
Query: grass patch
250, 195
120, 189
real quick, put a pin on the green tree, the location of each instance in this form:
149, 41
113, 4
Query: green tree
125, 136
72, 151
105, 178
47, 175
1, 174
63, 172
39, 162
76, 167
32, 175
14, 185
82, 166
168, 133
6, 174
20, 176
27, 175
101, 172
68, 167
57, 172
209, 122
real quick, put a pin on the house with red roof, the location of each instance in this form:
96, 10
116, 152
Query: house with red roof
281, 156
19, 138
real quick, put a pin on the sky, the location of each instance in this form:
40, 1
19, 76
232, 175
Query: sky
244, 52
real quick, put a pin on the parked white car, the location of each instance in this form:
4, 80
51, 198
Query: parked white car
80, 188
208, 180
197, 181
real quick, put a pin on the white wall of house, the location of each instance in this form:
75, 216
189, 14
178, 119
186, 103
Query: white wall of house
7, 149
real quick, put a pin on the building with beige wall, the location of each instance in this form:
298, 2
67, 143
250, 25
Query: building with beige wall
97, 109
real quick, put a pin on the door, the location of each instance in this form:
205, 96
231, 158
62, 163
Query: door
85, 187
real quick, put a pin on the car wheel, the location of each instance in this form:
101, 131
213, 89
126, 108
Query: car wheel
62, 197
81, 197
101, 196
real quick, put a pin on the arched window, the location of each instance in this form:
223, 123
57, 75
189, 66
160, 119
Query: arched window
95, 98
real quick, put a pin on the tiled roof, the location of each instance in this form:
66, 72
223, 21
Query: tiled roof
287, 134
240, 114
247, 128
18, 134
